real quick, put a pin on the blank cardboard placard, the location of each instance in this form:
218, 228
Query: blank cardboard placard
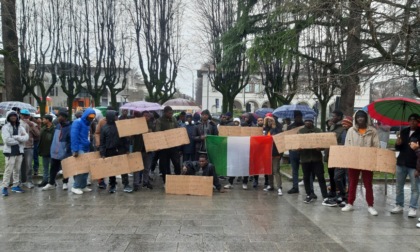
251, 131
189, 185
280, 141
131, 127
229, 131
135, 162
165, 139
310, 141
116, 165
74, 166
363, 158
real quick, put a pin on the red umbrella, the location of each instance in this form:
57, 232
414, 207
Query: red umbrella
393, 111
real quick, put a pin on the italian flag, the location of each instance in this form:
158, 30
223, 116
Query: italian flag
240, 156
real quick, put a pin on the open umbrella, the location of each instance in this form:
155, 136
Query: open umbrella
8, 105
393, 111
263, 111
141, 106
181, 104
287, 111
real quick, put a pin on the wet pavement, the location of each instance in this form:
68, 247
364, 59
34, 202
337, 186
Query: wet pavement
238, 220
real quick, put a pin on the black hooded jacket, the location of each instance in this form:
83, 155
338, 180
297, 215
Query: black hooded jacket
110, 140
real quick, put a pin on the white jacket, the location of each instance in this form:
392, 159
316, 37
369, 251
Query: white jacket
9, 139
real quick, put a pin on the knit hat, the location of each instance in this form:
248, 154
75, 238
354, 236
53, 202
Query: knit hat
228, 114
348, 120
308, 117
25, 112
269, 115
237, 120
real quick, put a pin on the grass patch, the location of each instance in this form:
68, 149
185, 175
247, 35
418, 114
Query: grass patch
3, 164
391, 143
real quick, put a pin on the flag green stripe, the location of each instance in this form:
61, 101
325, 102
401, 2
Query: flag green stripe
217, 153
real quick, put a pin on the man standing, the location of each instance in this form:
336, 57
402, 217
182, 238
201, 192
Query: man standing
33, 132
14, 137
202, 129
44, 148
80, 144
188, 150
294, 155
406, 166
166, 122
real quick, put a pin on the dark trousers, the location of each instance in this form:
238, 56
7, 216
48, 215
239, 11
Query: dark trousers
36, 158
340, 180
331, 172
113, 179
188, 157
244, 181
265, 180
318, 169
54, 169
165, 158
155, 159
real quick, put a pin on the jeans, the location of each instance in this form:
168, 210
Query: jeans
80, 181
55, 167
294, 158
402, 172
13, 164
46, 164
244, 181
316, 168
36, 158
26, 167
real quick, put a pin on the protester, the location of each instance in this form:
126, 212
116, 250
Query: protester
362, 135
188, 150
181, 119
260, 123
113, 145
248, 120
33, 132
205, 127
60, 149
14, 138
80, 144
415, 146
166, 122
228, 119
236, 121
271, 130
406, 166
45, 141
294, 155
286, 123
35, 166
204, 168
124, 114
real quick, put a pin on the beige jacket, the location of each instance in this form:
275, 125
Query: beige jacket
32, 130
101, 123
369, 139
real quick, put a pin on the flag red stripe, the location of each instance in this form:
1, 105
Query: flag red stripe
260, 155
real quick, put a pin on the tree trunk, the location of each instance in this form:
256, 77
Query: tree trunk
96, 100
114, 102
70, 99
225, 104
12, 81
42, 105
324, 106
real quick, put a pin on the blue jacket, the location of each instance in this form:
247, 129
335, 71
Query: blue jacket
60, 146
80, 132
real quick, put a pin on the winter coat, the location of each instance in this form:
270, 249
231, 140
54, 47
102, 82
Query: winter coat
369, 139
61, 143
9, 139
164, 123
45, 141
310, 155
80, 132
273, 130
189, 148
209, 170
407, 156
418, 160
33, 132
110, 139
200, 144
138, 142
99, 126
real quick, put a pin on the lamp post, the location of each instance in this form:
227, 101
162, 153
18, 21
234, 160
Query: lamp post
125, 96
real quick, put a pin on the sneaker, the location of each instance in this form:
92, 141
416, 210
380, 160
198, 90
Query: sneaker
86, 189
65, 186
301, 183
329, 202
222, 178
77, 191
5, 192
136, 188
255, 184
418, 225
412, 212
372, 211
293, 190
308, 199
313, 195
29, 185
128, 189
102, 185
347, 208
112, 189
279, 192
268, 188
228, 186
42, 184
89, 183
148, 186
419, 219
17, 189
245, 186
342, 204
397, 209
48, 187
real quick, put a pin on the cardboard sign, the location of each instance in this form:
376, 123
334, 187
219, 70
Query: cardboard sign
279, 139
363, 158
310, 141
240, 131
165, 139
251, 131
113, 166
74, 166
131, 127
189, 185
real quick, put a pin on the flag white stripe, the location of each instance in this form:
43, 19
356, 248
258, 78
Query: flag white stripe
238, 156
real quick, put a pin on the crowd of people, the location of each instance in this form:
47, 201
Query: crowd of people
26, 138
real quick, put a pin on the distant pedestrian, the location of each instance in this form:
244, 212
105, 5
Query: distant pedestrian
46, 138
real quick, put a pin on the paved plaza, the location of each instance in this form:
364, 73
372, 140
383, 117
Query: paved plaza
238, 220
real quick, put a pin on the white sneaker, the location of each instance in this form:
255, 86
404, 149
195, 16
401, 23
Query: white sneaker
301, 183
347, 208
86, 189
419, 219
28, 185
228, 186
418, 225
372, 211
48, 187
245, 186
268, 188
279, 192
76, 191
65, 186
397, 209
412, 213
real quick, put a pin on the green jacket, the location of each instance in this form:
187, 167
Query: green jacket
310, 155
45, 141
164, 123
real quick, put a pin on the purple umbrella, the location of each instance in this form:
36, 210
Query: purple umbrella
141, 106
181, 104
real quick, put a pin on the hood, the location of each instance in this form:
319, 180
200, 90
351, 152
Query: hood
369, 121
87, 112
9, 113
110, 116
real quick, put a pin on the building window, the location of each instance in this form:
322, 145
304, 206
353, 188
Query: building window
249, 88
